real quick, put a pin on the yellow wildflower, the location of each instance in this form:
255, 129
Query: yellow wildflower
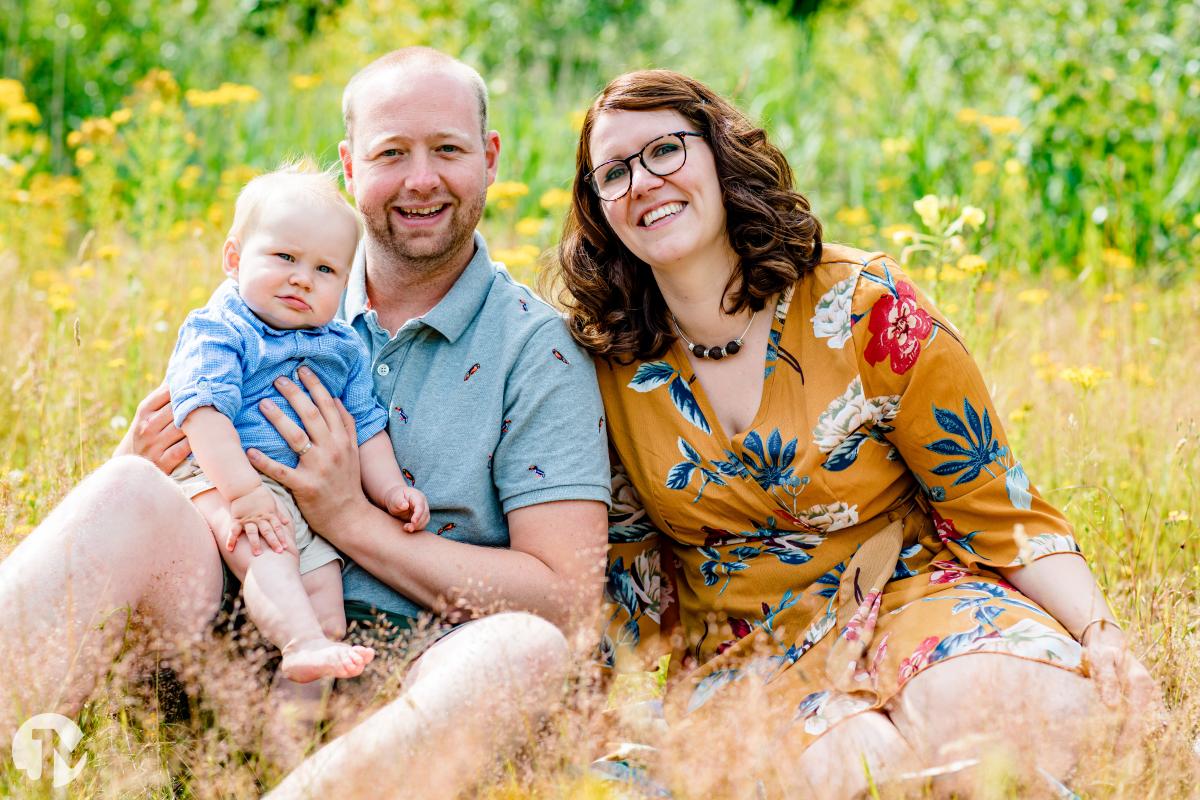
1177, 515
895, 146
42, 278
1034, 297
854, 217
121, 116
504, 194
101, 345
1116, 259
576, 119
84, 272
1112, 297
999, 126
972, 264
928, 208
1138, 375
1013, 167
987, 287
196, 294
1141, 307
967, 116
108, 252
224, 95
529, 227
84, 156
555, 199
1018, 414
74, 139
303, 83
187, 179
1196, 221
60, 303
1060, 274
950, 308
983, 168
524, 255
24, 113
898, 234
1107, 333
951, 274
888, 184
11, 93
1086, 377
116, 363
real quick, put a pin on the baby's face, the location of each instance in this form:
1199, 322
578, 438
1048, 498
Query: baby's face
294, 264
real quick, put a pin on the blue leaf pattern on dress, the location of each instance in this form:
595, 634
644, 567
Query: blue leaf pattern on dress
981, 449
653, 374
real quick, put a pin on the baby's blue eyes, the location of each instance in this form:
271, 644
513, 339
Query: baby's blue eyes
286, 256
325, 268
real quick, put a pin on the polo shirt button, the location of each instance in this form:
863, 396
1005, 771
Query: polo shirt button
383, 369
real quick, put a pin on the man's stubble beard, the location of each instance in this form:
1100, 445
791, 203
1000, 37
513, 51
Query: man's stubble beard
430, 255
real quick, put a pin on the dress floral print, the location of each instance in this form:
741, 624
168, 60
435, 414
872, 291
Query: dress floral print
848, 539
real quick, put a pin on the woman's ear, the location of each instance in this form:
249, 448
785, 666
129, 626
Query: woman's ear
231, 256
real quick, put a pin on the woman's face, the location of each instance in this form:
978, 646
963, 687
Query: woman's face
665, 221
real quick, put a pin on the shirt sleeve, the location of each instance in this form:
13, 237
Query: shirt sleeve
206, 367
359, 395
553, 445
945, 427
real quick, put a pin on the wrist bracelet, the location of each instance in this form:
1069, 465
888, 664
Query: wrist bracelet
1101, 621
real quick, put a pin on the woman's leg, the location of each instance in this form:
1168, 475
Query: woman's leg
983, 705
124, 540
863, 749
468, 698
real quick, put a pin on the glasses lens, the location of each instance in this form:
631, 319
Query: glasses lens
611, 179
664, 155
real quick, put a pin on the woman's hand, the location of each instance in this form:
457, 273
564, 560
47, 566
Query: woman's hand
1121, 680
153, 435
326, 482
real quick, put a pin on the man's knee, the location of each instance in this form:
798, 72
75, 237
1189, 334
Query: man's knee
528, 642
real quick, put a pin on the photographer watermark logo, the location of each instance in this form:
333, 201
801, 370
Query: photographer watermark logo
27, 748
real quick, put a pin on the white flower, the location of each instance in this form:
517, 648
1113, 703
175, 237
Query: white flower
832, 318
929, 209
975, 217
118, 423
161, 326
849, 412
830, 517
15, 475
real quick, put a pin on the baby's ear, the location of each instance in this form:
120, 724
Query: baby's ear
231, 256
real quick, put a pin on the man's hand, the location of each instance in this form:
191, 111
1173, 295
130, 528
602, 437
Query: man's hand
326, 483
258, 514
1122, 681
153, 435
410, 504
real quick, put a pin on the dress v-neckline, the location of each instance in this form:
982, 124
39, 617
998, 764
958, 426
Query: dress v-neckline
774, 337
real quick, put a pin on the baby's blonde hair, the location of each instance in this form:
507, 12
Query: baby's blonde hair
299, 180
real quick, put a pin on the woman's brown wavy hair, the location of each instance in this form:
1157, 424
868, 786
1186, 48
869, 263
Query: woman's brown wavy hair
614, 306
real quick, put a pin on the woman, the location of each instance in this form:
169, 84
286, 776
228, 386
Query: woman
819, 461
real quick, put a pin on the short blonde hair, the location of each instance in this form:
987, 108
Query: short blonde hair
300, 180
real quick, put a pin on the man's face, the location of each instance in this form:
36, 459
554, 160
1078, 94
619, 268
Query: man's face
418, 166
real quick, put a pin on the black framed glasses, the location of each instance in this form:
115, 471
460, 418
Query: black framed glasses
613, 179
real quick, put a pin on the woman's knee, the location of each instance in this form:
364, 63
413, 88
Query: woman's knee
856, 751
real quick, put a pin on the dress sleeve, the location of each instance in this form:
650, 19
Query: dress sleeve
359, 395
206, 367
945, 426
637, 586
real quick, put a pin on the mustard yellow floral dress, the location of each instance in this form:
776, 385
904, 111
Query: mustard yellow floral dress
844, 542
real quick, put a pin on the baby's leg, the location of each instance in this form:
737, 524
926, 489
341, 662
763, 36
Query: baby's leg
278, 603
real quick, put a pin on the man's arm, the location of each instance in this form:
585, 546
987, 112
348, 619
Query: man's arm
152, 433
554, 566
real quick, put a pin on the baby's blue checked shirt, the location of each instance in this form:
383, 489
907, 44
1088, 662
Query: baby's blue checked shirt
228, 358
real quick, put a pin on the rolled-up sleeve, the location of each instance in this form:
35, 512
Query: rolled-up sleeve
359, 395
206, 367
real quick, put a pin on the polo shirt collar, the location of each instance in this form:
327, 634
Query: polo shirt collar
454, 312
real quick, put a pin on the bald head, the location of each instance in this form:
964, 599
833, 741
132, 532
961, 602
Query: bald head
412, 61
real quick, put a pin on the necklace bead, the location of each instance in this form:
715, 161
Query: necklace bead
714, 352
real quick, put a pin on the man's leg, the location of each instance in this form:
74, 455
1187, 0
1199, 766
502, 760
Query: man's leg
483, 688
124, 540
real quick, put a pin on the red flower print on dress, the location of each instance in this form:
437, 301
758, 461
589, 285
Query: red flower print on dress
947, 572
918, 660
898, 325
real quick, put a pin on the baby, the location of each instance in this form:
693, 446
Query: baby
288, 257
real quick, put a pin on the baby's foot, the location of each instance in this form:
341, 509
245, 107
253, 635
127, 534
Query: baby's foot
304, 662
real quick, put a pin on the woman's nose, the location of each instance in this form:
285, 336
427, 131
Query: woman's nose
641, 179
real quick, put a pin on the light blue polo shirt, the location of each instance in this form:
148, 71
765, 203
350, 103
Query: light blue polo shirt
491, 407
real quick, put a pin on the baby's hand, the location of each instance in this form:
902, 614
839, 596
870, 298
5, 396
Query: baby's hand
408, 503
256, 514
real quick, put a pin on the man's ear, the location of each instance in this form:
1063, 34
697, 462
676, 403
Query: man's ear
347, 165
231, 256
491, 152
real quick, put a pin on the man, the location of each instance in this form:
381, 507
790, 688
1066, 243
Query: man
494, 413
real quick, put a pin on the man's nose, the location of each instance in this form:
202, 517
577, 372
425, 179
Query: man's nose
422, 176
